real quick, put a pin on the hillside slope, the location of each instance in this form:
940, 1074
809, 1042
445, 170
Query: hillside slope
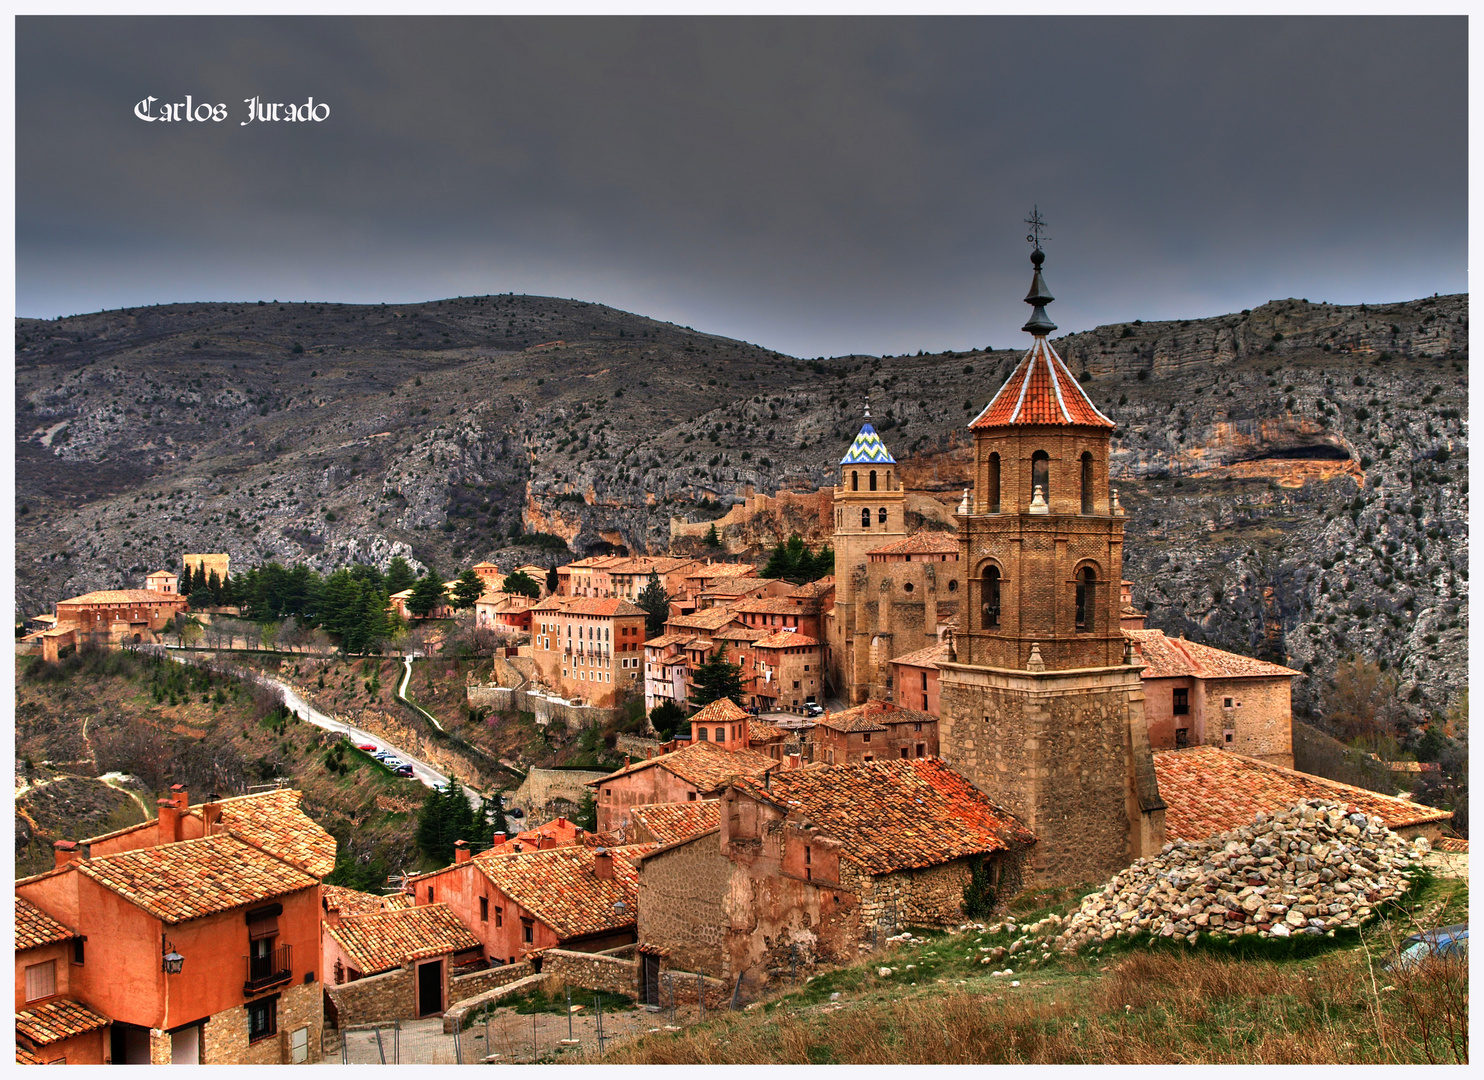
330, 433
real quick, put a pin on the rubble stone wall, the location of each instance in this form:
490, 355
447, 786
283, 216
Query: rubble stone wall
224, 1039
592, 971
388, 996
466, 986
682, 905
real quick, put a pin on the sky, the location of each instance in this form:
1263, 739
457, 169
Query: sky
819, 186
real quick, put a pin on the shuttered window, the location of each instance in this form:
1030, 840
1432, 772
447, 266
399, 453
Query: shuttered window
41, 980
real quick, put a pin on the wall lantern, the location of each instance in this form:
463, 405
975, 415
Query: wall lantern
171, 960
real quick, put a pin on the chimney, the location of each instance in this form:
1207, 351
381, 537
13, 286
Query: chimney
178, 793
518, 847
545, 843
603, 864
211, 816
578, 833
460, 851
499, 839
66, 851
794, 761
332, 915
169, 823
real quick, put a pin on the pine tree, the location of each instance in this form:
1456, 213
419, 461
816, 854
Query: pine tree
399, 576
656, 604
427, 594
553, 581
587, 812
468, 591
667, 718
521, 584
496, 818
715, 679
713, 538
214, 586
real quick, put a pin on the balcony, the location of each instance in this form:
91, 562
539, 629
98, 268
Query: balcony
268, 970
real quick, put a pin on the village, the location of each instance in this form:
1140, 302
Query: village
949, 718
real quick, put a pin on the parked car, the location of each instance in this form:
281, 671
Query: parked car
813, 708
369, 747
1447, 942
403, 769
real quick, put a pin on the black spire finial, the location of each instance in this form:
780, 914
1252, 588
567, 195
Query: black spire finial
1039, 324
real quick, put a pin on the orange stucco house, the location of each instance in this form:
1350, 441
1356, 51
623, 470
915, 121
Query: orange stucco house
52, 1027
700, 770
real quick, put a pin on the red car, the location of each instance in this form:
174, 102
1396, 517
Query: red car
366, 746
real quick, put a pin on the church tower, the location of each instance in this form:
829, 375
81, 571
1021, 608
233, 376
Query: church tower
1043, 706
870, 508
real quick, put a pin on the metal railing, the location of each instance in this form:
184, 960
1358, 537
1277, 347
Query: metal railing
274, 967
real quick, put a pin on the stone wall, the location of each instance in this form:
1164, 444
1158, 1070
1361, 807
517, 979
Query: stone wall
224, 1039
933, 896
477, 982
679, 987
638, 747
1260, 720
543, 787
389, 996
681, 899
461, 1010
505, 699
592, 971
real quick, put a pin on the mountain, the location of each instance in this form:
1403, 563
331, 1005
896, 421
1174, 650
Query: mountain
1295, 474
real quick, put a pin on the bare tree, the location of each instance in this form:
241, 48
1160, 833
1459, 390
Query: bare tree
1362, 704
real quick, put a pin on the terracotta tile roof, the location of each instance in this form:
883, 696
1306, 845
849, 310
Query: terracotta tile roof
723, 570
1166, 657
738, 586
814, 589
1041, 391
867, 449
35, 928
609, 607
760, 731
665, 823
704, 765
179, 882
1451, 843
920, 543
384, 940
559, 887
1209, 790
873, 716
720, 711
559, 831
709, 619
273, 820
664, 641
644, 564
350, 901
895, 815
25, 1057
58, 1019
776, 605
122, 596
399, 902
785, 639
738, 633
924, 658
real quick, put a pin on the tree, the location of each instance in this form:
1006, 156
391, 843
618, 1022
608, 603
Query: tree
202, 599
214, 586
656, 604
715, 679
713, 538
1362, 704
553, 581
521, 583
667, 719
399, 576
587, 812
793, 562
427, 594
495, 816
469, 589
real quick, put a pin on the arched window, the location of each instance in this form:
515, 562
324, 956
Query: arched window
873, 479
992, 485
1041, 475
1086, 604
855, 481
881, 515
991, 605
865, 517
1087, 483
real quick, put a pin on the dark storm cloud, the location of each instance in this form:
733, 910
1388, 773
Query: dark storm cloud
815, 185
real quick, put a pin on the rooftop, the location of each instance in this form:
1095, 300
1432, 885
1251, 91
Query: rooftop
1041, 390
1209, 790
777, 605
894, 815
350, 901
924, 658
723, 570
35, 928
815, 589
738, 586
704, 765
58, 1019
873, 716
785, 639
867, 449
1166, 657
184, 881
589, 605
920, 543
273, 820
384, 940
664, 641
122, 596
720, 711
559, 886
668, 822
709, 619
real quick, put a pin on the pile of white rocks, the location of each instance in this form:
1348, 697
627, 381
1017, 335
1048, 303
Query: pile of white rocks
1307, 870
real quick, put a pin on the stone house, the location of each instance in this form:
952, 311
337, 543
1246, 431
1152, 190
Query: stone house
538, 574
807, 865
1209, 790
518, 903
773, 613
52, 1026
119, 615
1197, 695
668, 823
587, 577
721, 723
204, 950
162, 581
490, 575
700, 770
914, 678
589, 649
428, 942
875, 731
629, 578
727, 592
702, 577
787, 671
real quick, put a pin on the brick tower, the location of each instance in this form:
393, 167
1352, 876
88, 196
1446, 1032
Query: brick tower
869, 512
1043, 708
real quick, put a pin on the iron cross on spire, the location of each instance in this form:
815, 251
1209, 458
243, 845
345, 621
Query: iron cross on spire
1038, 225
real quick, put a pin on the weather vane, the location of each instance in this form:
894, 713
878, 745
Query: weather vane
1037, 224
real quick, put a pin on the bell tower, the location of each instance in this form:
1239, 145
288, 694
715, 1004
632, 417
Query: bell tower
1043, 707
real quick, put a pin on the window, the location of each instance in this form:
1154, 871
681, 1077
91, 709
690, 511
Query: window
866, 737
701, 734
881, 516
1182, 702
873, 479
499, 916
992, 485
1228, 736
991, 599
527, 931
690, 796
1086, 579
1226, 703
262, 1019
1182, 737
484, 909
721, 734
1041, 474
430, 894
41, 980
866, 518
904, 751
922, 749
1086, 483
77, 950
918, 725
855, 481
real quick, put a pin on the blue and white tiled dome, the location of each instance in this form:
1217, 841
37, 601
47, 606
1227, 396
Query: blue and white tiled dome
868, 449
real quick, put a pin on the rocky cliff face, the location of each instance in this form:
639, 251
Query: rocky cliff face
1295, 475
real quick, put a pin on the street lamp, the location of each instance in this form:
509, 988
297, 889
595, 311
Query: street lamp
170, 960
